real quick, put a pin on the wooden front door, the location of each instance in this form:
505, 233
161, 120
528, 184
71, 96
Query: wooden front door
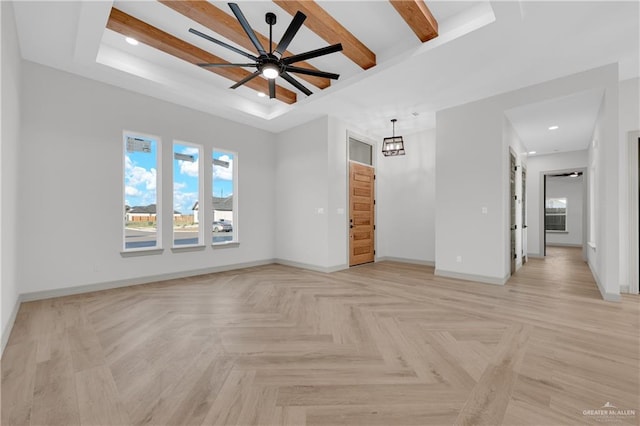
361, 214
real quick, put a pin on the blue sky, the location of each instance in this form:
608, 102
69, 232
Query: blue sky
141, 172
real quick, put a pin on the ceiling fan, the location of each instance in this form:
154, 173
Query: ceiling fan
271, 64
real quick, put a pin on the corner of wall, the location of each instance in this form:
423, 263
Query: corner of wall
10, 119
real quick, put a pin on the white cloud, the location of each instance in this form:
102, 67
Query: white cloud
189, 150
132, 192
179, 185
223, 173
136, 175
148, 197
183, 201
189, 168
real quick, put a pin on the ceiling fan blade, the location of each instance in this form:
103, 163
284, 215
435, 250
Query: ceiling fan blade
272, 88
247, 28
296, 83
223, 44
315, 73
245, 80
291, 32
313, 54
225, 65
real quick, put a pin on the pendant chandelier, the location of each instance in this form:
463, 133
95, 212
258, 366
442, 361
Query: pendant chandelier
393, 145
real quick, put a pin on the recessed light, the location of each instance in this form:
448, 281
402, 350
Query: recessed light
261, 94
131, 41
531, 152
553, 127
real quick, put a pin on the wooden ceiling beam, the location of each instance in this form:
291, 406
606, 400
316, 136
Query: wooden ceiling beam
228, 26
330, 30
419, 18
129, 26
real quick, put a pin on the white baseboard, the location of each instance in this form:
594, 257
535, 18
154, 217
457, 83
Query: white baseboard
535, 256
609, 297
472, 277
7, 329
405, 260
311, 267
625, 289
563, 245
69, 291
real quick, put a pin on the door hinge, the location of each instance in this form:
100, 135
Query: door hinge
374, 202
374, 227
374, 252
515, 255
374, 177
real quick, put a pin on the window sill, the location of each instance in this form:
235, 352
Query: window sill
141, 252
226, 244
557, 232
187, 248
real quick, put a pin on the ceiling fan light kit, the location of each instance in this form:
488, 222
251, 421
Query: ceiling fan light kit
271, 64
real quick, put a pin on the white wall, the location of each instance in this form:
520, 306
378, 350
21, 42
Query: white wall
472, 173
406, 200
70, 178
469, 177
9, 165
338, 204
572, 189
629, 119
302, 194
311, 195
604, 235
537, 166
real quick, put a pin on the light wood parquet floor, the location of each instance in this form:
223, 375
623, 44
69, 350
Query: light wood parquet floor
382, 344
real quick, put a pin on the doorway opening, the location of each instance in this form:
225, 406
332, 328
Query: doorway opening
564, 210
514, 199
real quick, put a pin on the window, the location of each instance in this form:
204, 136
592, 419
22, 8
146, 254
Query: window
556, 214
224, 227
360, 152
140, 192
186, 193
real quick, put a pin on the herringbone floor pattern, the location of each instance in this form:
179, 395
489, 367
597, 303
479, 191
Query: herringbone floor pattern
382, 344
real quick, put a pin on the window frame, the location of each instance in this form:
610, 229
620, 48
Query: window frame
201, 151
235, 192
158, 247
